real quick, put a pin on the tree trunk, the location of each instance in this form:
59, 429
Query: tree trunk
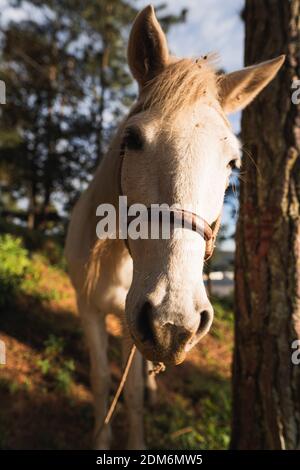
266, 385
99, 118
32, 206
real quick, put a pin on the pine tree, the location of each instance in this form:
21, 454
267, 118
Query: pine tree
68, 85
266, 383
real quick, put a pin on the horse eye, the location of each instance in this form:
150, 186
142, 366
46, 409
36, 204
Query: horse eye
233, 164
133, 138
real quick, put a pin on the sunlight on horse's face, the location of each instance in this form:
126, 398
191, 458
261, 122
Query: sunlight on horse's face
179, 151
187, 164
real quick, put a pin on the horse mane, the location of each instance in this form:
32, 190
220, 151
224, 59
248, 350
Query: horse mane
93, 267
181, 84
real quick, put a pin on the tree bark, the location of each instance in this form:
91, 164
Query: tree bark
266, 385
32, 193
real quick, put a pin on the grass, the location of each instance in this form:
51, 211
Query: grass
57, 371
44, 387
195, 412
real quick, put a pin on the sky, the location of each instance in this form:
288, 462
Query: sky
211, 26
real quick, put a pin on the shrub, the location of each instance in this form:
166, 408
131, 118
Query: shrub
14, 262
64, 375
56, 369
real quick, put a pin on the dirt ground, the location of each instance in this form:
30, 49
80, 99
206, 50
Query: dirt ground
45, 397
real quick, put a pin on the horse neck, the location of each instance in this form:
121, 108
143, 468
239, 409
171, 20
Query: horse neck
105, 187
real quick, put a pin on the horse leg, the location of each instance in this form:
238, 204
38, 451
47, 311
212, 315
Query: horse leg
97, 339
134, 398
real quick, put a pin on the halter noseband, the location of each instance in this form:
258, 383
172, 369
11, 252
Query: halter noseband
192, 221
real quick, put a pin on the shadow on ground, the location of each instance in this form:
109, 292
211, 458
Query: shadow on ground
37, 413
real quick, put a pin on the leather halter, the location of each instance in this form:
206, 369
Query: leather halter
191, 221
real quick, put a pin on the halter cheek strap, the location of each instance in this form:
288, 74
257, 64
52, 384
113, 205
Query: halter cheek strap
190, 220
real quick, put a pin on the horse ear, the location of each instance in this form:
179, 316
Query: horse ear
148, 52
238, 89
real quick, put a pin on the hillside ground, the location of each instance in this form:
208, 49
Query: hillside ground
45, 396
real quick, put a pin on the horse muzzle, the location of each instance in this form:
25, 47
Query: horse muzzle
163, 335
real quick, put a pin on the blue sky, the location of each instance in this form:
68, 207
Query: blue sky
211, 26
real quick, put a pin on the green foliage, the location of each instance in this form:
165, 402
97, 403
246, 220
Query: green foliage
14, 263
34, 240
73, 91
54, 129
176, 424
56, 369
13, 257
30, 286
22, 273
44, 365
54, 346
64, 375
223, 308
13, 386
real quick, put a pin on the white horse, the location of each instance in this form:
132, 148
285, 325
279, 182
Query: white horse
177, 147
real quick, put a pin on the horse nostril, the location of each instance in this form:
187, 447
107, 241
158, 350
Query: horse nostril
145, 323
206, 317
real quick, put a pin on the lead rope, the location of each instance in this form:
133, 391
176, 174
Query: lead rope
157, 368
